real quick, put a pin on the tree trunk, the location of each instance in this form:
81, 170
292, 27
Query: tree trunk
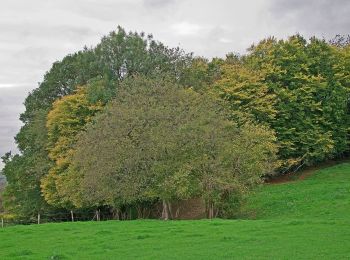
98, 215
116, 213
170, 211
210, 210
139, 212
72, 215
177, 212
216, 213
38, 218
142, 212
146, 212
165, 213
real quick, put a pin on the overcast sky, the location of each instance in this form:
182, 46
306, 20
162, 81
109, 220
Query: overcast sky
35, 33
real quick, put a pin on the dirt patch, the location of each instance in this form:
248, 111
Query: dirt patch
184, 209
305, 172
190, 209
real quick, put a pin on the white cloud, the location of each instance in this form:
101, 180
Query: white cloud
186, 29
225, 40
13, 85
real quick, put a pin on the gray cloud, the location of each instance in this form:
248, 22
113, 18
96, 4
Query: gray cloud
314, 17
34, 34
158, 3
107, 11
11, 106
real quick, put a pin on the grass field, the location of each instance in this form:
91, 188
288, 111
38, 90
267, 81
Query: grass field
308, 219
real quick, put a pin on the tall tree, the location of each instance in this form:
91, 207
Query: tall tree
311, 97
68, 117
118, 56
245, 92
22, 195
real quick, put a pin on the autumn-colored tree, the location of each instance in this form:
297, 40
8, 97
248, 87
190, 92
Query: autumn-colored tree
299, 89
245, 92
68, 117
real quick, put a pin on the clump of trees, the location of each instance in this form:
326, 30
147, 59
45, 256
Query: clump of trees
132, 123
159, 141
300, 89
118, 56
312, 127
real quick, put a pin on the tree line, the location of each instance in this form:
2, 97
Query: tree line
132, 123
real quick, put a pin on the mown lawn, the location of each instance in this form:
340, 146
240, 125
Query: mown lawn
307, 219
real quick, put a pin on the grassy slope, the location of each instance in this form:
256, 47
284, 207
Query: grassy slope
305, 220
324, 194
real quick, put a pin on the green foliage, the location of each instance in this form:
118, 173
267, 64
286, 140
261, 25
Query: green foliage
201, 73
245, 93
23, 172
22, 193
100, 90
122, 54
1, 191
299, 88
118, 56
158, 140
62, 79
197, 76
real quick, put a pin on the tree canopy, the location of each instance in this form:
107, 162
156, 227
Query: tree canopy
157, 140
300, 89
133, 123
118, 56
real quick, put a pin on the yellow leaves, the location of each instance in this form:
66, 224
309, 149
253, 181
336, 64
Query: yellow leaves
48, 188
68, 117
290, 163
245, 91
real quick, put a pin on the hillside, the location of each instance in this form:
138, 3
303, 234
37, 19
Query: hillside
305, 219
323, 194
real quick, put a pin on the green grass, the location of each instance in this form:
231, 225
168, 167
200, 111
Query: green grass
323, 195
307, 219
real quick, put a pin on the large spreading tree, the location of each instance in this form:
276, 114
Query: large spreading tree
159, 141
118, 56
